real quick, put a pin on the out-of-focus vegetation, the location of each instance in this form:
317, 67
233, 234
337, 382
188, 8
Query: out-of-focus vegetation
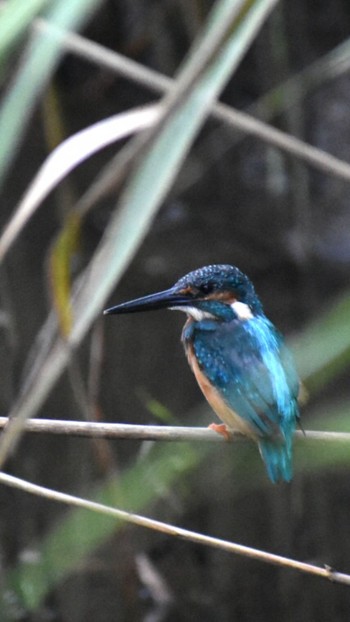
236, 200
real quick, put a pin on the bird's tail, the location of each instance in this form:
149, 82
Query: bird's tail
277, 457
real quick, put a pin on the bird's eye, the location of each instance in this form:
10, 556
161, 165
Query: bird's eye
207, 288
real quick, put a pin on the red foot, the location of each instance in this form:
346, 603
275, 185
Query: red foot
221, 429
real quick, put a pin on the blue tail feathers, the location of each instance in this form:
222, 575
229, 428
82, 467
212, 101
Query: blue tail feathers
277, 457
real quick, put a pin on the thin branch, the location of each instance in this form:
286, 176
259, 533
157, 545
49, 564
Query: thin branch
231, 547
128, 431
238, 120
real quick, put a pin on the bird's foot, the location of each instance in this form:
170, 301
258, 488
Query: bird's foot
221, 429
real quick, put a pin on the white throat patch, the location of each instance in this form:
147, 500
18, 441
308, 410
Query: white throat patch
242, 310
195, 313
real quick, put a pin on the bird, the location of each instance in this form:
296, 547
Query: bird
240, 360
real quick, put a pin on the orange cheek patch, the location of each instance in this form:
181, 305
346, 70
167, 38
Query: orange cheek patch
227, 297
187, 290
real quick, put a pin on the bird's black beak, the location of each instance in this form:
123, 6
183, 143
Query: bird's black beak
168, 299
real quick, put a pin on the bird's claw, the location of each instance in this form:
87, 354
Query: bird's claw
222, 429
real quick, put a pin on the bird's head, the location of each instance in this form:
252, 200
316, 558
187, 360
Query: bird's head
219, 292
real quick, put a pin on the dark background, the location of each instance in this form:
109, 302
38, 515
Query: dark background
237, 201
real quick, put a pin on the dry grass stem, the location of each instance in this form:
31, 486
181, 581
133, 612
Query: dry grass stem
153, 432
171, 530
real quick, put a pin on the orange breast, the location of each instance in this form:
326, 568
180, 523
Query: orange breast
223, 411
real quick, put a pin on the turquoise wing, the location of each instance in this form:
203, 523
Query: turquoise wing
254, 373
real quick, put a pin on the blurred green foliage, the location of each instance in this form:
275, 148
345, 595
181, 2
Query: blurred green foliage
322, 350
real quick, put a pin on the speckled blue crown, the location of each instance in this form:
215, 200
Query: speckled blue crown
223, 277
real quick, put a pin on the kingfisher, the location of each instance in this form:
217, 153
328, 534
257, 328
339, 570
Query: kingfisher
238, 357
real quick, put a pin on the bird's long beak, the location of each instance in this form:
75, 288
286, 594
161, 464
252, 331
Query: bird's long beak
168, 299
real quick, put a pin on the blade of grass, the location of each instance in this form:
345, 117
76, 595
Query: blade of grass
59, 269
15, 17
331, 65
188, 107
79, 533
38, 63
31, 586
199, 84
323, 348
326, 454
238, 120
70, 154
289, 93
